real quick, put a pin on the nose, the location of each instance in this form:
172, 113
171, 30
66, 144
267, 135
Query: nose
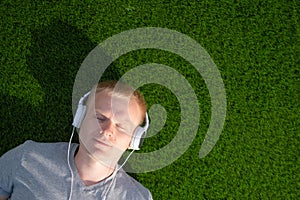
107, 128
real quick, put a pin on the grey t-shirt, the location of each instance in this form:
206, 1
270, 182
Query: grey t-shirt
40, 171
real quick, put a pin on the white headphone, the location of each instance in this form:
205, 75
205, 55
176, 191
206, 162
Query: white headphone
138, 134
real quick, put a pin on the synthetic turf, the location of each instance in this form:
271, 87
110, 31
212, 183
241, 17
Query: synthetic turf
254, 44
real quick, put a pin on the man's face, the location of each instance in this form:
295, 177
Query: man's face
107, 128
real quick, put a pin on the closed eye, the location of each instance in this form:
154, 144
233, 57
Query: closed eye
119, 126
101, 118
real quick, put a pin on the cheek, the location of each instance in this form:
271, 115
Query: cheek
87, 137
89, 126
124, 141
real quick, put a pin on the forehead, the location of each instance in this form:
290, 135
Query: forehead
117, 106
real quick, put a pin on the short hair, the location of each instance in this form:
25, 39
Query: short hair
122, 90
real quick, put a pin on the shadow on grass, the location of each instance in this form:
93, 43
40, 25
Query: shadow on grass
56, 54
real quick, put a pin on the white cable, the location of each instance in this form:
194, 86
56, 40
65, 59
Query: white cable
68, 159
125, 160
72, 174
114, 175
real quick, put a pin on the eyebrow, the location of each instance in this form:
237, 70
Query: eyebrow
118, 121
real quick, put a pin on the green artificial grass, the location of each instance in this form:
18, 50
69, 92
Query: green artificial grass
254, 44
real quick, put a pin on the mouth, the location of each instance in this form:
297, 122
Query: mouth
103, 143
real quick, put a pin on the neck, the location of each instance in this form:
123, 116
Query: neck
91, 171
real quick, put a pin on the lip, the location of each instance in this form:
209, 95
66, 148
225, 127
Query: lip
103, 143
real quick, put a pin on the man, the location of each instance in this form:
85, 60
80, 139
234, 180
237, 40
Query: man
86, 171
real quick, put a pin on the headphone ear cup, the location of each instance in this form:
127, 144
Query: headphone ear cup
137, 138
78, 118
80, 112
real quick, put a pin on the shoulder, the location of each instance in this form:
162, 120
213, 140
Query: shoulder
30, 154
132, 189
32, 149
39, 157
18, 151
39, 147
32, 145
